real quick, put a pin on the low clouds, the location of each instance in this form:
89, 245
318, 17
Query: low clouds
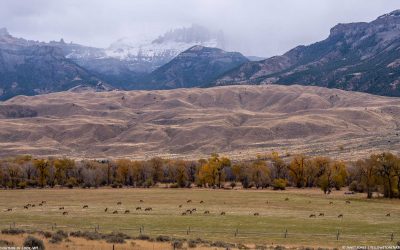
253, 27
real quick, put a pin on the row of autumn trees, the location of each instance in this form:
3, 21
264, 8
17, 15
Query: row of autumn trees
378, 173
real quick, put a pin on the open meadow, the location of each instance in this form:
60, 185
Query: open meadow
262, 217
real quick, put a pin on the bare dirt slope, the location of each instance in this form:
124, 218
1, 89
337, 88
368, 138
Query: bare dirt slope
236, 120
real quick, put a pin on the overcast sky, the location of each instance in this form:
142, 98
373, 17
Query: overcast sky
253, 27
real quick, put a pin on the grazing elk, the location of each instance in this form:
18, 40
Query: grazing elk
139, 208
331, 203
44, 202
189, 211
127, 212
105, 210
340, 216
33, 205
188, 201
85, 206
183, 214
222, 213
206, 212
40, 204
115, 212
194, 210
119, 203
201, 201
256, 214
321, 214
61, 208
148, 209
348, 202
312, 216
9, 209
65, 213
141, 201
388, 215
26, 207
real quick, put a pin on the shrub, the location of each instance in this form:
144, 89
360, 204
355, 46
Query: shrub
115, 239
279, 184
177, 244
4, 243
221, 244
22, 185
13, 231
34, 243
174, 185
192, 244
86, 235
143, 237
56, 238
72, 182
45, 234
163, 238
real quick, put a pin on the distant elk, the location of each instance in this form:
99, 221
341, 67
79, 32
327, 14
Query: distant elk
348, 202
9, 209
286, 199
180, 206
115, 212
222, 213
388, 215
65, 213
201, 201
127, 211
85, 206
183, 213
188, 201
331, 203
189, 211
321, 214
312, 216
206, 212
139, 208
105, 210
61, 208
119, 203
256, 214
141, 201
148, 209
340, 216
26, 207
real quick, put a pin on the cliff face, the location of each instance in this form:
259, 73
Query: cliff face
356, 56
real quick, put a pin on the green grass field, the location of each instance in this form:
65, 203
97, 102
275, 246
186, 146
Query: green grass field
364, 221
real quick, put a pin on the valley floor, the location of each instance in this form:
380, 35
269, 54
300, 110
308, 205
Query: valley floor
284, 216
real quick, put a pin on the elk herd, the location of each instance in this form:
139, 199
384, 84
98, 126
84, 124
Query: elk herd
188, 211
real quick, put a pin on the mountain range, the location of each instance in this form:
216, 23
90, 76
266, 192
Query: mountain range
355, 56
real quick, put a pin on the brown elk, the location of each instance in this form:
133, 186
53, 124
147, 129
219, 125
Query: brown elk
201, 201
141, 201
388, 215
188, 201
115, 212
105, 210
348, 202
183, 214
85, 206
222, 213
139, 208
312, 216
321, 214
340, 216
148, 209
256, 214
127, 211
206, 212
65, 213
61, 208
180, 206
119, 203
9, 209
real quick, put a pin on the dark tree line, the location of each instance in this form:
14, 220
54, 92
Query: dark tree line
377, 173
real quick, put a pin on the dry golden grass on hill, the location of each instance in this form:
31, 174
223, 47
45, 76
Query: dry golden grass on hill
239, 121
